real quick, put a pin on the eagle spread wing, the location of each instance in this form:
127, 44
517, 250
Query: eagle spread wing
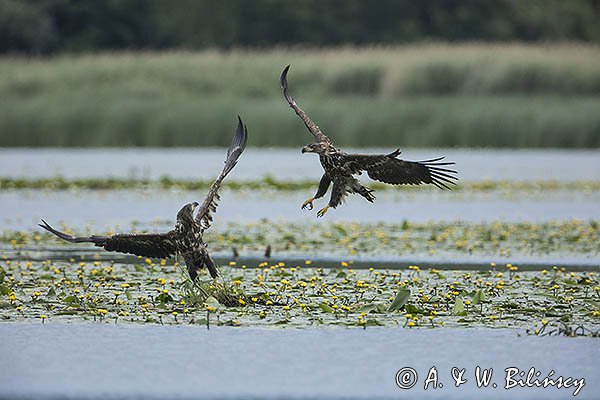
312, 127
392, 170
238, 144
154, 245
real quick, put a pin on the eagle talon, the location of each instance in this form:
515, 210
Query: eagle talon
322, 211
308, 204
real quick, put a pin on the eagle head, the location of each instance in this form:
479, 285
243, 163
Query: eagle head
186, 214
319, 148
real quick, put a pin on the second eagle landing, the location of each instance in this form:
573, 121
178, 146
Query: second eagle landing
340, 167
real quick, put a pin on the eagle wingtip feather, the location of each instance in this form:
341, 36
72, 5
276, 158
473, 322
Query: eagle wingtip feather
283, 77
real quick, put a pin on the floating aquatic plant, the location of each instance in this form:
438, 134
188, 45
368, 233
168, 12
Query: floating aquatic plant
302, 295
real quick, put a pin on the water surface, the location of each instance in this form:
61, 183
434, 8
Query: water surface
22, 209
284, 163
151, 361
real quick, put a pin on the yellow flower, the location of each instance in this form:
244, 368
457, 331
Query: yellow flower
102, 311
286, 307
124, 285
242, 302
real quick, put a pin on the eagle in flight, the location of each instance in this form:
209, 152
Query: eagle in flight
340, 166
186, 237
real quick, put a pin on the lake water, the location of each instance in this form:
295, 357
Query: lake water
98, 361
21, 210
200, 163
105, 360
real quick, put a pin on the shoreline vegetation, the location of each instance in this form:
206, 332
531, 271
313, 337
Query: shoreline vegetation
429, 94
271, 183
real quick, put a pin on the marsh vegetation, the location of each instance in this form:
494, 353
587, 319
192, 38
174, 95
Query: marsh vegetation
423, 95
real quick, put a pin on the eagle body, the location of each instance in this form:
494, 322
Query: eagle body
337, 173
340, 167
186, 237
190, 245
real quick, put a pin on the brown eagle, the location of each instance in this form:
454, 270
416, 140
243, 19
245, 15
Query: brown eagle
186, 237
340, 166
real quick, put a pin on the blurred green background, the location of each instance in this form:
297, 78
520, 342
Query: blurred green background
503, 73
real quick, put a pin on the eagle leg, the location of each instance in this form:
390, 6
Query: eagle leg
322, 211
321, 191
308, 203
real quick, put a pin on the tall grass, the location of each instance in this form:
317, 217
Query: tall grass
427, 95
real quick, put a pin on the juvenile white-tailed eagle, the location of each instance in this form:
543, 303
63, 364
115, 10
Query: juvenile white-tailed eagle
186, 238
340, 166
